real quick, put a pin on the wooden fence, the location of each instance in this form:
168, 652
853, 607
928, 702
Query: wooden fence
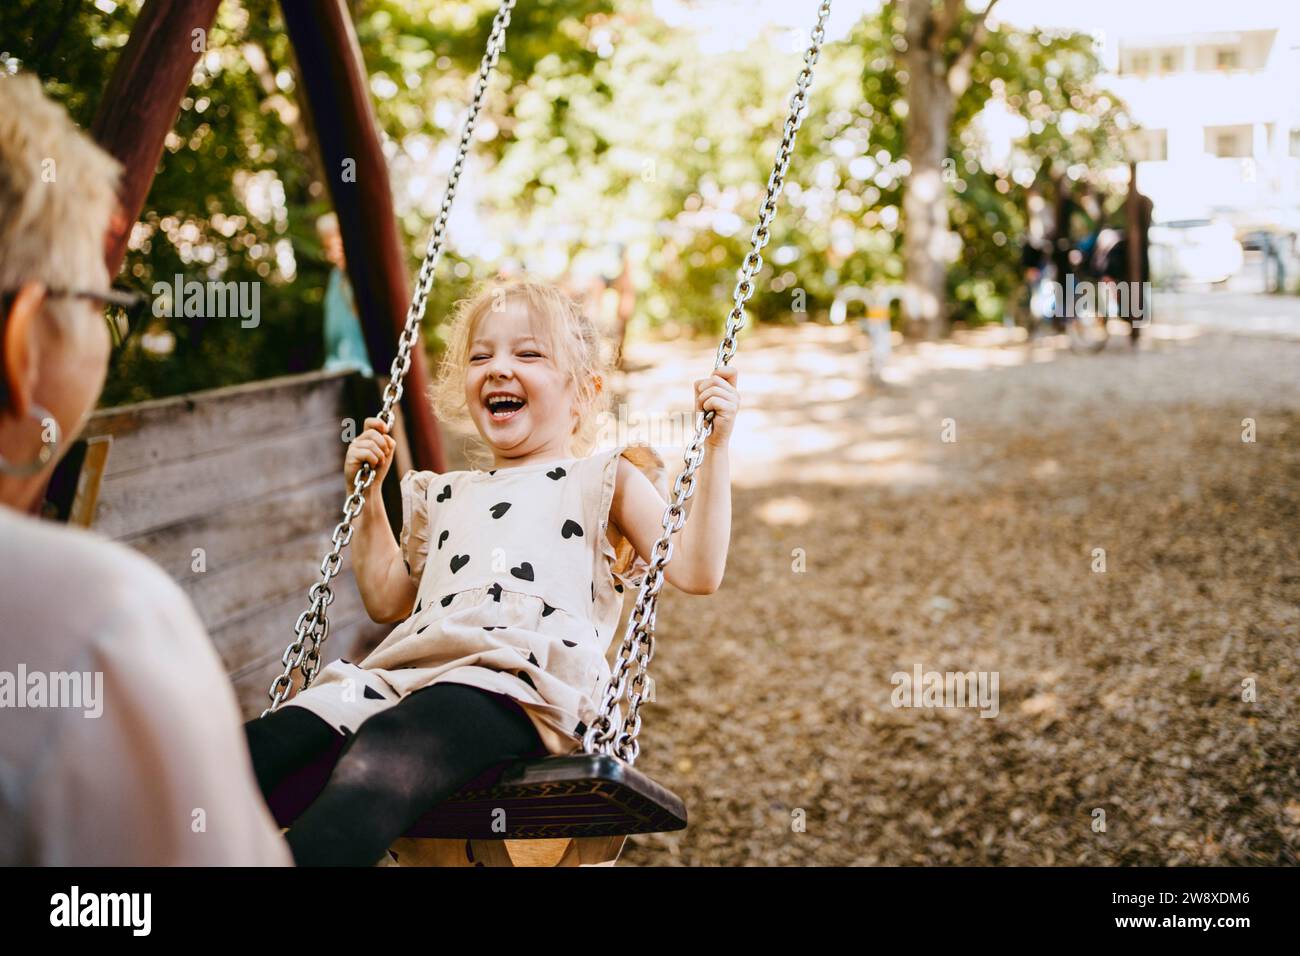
235, 493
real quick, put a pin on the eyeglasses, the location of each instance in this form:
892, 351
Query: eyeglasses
123, 309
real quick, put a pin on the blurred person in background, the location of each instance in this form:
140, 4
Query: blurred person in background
345, 344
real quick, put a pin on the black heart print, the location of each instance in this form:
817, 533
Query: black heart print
445, 493
557, 474
593, 590
523, 676
442, 538
494, 627
408, 565
492, 472
571, 528
420, 630
374, 694
500, 508
524, 572
581, 729
531, 658
447, 600
458, 561
495, 591
570, 643
417, 607
547, 610
618, 588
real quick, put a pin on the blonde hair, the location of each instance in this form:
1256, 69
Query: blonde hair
58, 192
575, 347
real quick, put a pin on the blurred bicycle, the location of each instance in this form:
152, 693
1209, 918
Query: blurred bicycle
1054, 310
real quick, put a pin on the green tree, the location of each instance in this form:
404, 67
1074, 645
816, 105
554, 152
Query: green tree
606, 129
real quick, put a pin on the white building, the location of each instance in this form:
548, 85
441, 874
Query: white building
1220, 112
1216, 89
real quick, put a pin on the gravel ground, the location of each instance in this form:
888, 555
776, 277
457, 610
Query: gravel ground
1120, 692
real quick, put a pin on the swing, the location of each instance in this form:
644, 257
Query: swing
596, 792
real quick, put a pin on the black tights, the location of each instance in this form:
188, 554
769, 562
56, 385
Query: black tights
396, 766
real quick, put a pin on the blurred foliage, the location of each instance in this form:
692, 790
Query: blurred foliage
605, 130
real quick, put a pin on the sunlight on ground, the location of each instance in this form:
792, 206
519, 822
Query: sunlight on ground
808, 409
1173, 332
810, 412
791, 510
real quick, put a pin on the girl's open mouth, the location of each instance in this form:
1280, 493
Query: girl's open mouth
502, 408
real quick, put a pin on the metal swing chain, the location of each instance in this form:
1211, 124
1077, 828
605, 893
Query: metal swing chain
314, 622
638, 638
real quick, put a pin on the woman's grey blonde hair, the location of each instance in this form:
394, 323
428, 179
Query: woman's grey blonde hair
58, 193
575, 346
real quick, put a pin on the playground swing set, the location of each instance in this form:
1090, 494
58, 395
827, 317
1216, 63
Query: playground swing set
593, 793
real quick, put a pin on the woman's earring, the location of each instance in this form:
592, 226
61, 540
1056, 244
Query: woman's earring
48, 448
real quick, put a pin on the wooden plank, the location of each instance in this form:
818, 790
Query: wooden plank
212, 470
263, 635
185, 427
157, 497
82, 513
262, 581
230, 536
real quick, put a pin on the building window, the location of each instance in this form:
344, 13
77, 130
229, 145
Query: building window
1228, 142
1150, 145
1168, 63
1226, 58
1295, 143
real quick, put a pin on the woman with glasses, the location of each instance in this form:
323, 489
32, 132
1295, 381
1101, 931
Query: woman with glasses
122, 742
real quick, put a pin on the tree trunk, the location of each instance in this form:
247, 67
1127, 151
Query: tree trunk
626, 306
930, 104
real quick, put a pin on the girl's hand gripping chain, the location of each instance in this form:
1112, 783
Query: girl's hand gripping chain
383, 579
374, 447
718, 393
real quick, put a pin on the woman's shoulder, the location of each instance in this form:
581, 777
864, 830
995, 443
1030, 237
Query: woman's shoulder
111, 581
44, 548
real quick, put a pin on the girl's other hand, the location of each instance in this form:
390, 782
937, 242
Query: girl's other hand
373, 447
718, 394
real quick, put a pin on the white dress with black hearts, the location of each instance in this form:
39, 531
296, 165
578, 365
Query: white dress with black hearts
520, 592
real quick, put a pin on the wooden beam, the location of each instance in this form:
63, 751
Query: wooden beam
347, 133
142, 101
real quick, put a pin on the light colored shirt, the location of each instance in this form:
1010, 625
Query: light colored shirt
121, 740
